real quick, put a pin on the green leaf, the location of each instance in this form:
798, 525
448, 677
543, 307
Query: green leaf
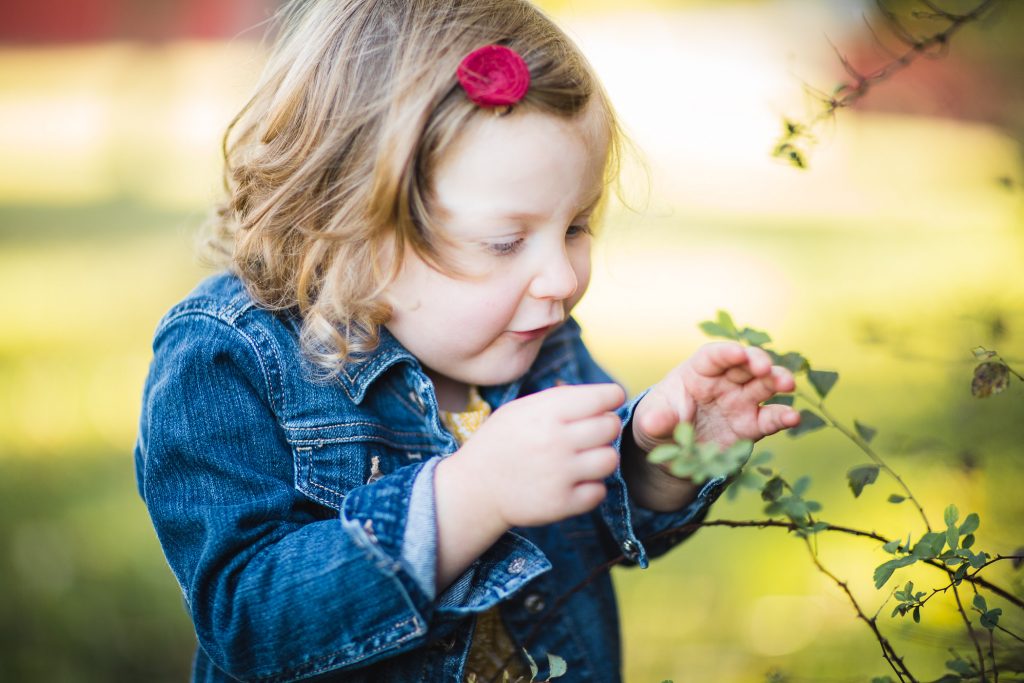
917, 614
929, 546
664, 453
773, 489
960, 573
862, 476
779, 399
683, 433
978, 561
722, 327
951, 515
715, 330
970, 525
894, 498
885, 570
533, 665
892, 546
822, 381
754, 337
865, 432
556, 665
979, 602
792, 360
881, 679
967, 541
960, 666
682, 468
952, 537
809, 422
990, 619
801, 486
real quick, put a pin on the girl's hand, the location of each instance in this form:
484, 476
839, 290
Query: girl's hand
719, 389
541, 458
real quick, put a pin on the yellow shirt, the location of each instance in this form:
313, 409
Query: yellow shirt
492, 645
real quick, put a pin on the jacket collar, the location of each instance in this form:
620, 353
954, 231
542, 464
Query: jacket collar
358, 374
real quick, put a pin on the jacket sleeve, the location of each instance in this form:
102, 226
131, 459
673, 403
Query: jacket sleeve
278, 587
628, 522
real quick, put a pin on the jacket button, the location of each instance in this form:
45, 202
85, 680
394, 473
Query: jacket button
629, 549
534, 603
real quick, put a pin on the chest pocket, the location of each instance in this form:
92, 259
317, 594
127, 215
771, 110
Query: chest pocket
331, 460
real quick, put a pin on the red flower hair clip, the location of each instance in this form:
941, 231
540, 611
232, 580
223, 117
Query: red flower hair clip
494, 76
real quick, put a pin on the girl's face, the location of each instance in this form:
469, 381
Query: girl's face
515, 196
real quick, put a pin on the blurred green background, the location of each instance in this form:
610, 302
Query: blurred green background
894, 254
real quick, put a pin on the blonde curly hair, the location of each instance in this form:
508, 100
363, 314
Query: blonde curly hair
328, 166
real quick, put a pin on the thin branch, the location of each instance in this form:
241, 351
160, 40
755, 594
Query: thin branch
790, 526
739, 524
866, 447
992, 653
970, 629
888, 652
848, 93
1010, 633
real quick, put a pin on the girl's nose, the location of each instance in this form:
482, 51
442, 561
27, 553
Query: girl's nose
555, 278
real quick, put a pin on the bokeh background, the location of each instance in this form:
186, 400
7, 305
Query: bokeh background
888, 259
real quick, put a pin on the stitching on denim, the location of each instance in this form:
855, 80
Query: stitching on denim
272, 349
305, 453
231, 326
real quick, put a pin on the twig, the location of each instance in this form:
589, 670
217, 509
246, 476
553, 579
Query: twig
847, 93
888, 652
866, 447
970, 629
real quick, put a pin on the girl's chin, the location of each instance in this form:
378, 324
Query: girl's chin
503, 371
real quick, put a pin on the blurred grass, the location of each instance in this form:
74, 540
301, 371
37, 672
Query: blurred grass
888, 261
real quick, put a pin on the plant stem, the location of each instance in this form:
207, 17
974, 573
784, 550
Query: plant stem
992, 653
866, 447
970, 629
1012, 371
888, 652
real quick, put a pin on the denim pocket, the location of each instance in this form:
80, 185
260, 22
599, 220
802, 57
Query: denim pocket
331, 460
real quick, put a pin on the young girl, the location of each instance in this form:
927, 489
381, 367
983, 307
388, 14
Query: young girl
376, 448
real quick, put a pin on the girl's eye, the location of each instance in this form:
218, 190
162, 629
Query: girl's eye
577, 230
506, 248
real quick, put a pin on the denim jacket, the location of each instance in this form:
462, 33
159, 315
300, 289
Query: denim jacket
284, 505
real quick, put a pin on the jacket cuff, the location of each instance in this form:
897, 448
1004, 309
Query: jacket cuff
376, 516
419, 543
629, 522
504, 569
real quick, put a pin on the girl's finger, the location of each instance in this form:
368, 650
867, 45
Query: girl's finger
595, 464
715, 358
759, 361
575, 402
739, 374
599, 430
586, 496
774, 418
658, 423
780, 380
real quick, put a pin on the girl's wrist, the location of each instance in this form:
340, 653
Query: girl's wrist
649, 484
464, 499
